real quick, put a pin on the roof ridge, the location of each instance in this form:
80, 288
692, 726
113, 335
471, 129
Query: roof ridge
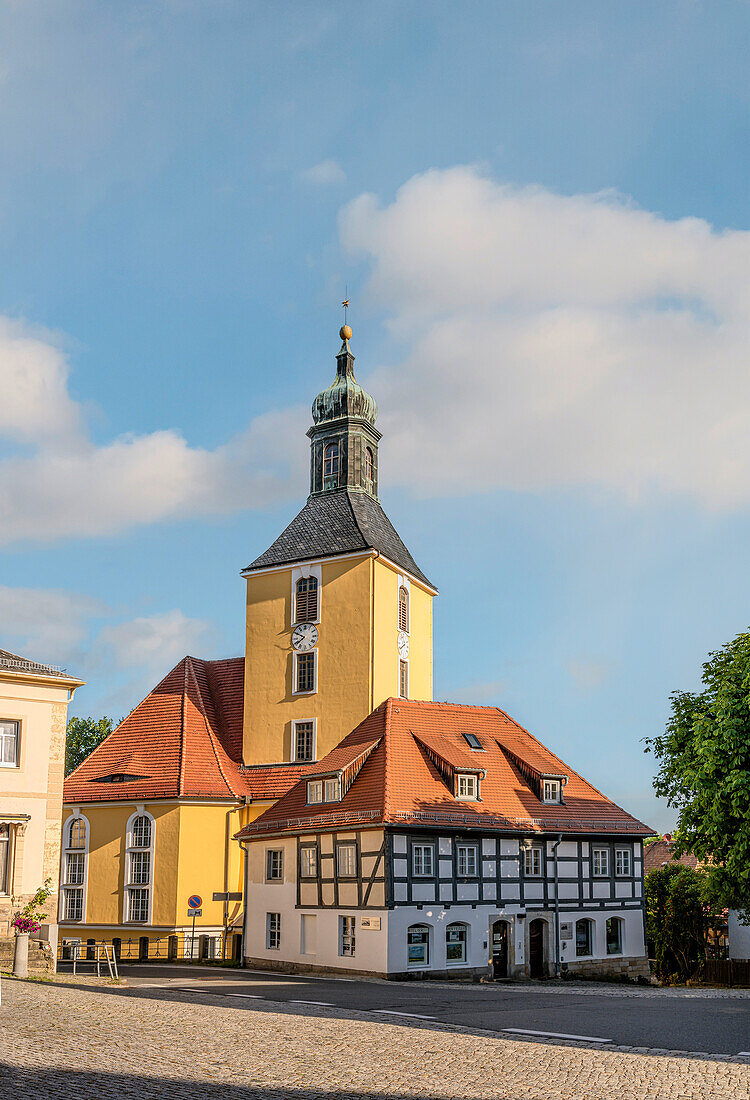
386, 749
181, 775
208, 727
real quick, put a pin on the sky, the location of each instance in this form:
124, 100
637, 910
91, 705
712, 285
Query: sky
539, 212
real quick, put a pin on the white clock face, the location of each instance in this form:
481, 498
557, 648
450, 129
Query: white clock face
304, 637
403, 643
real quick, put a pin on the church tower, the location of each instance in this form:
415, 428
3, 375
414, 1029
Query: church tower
339, 615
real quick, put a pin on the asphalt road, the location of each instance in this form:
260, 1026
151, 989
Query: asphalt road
685, 1021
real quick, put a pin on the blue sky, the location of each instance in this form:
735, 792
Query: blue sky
540, 211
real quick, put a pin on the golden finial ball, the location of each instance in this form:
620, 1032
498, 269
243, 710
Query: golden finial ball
345, 332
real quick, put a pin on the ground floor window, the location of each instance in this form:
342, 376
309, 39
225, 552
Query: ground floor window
418, 945
614, 936
584, 937
456, 939
73, 904
273, 931
346, 936
137, 904
4, 858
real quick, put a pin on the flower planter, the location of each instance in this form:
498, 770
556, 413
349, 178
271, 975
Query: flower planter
21, 956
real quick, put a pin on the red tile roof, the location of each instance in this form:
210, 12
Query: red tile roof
658, 854
183, 740
400, 783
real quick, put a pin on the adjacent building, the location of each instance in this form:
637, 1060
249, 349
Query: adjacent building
440, 840
33, 718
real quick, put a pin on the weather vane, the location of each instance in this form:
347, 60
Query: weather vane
345, 304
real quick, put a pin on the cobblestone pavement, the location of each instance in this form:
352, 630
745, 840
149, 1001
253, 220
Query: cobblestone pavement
66, 1043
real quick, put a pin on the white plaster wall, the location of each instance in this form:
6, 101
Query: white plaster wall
632, 940
739, 937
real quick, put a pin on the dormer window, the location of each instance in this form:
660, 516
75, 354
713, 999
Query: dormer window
466, 787
333, 790
331, 460
473, 741
314, 791
551, 790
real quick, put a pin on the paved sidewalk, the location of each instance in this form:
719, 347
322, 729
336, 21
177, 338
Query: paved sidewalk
75, 1044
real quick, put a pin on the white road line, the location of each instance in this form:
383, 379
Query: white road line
742, 1054
323, 1004
411, 1015
186, 989
251, 996
557, 1035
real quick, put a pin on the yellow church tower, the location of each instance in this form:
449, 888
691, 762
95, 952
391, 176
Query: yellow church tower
339, 615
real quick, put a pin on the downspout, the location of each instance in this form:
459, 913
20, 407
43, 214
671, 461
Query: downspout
227, 861
557, 908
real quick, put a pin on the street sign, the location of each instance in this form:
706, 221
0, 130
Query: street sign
195, 901
195, 912
228, 895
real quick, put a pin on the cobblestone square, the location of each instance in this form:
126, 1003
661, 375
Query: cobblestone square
67, 1042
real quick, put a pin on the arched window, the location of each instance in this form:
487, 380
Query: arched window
331, 460
614, 936
584, 937
139, 868
456, 943
403, 608
74, 870
306, 600
369, 464
418, 945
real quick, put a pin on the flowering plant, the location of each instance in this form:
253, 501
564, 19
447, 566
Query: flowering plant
25, 924
32, 916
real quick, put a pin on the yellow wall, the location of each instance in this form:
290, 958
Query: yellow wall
358, 658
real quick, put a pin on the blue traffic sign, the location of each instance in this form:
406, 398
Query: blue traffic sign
195, 901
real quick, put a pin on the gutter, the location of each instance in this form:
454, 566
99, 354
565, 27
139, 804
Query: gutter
557, 908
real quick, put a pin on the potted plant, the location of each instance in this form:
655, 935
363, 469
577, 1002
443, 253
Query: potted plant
27, 921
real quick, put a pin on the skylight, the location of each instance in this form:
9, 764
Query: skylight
473, 741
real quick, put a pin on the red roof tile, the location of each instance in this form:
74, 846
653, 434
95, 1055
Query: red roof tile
399, 781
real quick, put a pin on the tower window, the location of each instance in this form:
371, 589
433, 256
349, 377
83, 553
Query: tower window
403, 608
331, 460
369, 464
306, 600
403, 679
304, 740
304, 672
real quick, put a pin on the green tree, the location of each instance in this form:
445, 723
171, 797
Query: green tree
704, 772
679, 913
83, 735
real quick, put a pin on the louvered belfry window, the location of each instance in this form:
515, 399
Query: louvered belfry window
403, 608
306, 600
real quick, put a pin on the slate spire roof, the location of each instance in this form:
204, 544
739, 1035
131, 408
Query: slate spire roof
415, 748
339, 522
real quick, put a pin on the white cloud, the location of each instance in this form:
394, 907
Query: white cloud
45, 625
587, 675
481, 692
556, 342
155, 642
68, 486
327, 172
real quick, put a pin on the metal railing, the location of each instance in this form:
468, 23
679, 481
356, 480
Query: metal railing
169, 947
19, 665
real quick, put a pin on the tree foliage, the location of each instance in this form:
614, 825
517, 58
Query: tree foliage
83, 735
704, 771
680, 911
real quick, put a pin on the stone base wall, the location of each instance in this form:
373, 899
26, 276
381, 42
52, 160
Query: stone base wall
41, 957
631, 967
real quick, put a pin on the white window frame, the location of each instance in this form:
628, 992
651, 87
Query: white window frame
621, 928
467, 853
406, 585
347, 936
298, 573
471, 782
531, 855
591, 937
418, 964
555, 790
596, 857
295, 661
403, 664
315, 786
464, 927
130, 886
7, 842
308, 850
271, 858
66, 851
419, 864
273, 931
305, 721
16, 763
348, 846
336, 791
623, 863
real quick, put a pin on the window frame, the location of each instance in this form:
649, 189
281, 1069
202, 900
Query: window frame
418, 851
273, 931
296, 659
403, 678
620, 935
334, 779
467, 847
472, 782
588, 922
315, 801
5, 876
369, 465
528, 861
313, 722
333, 446
350, 847
77, 846
347, 936
595, 853
463, 928
310, 579
309, 850
469, 738
16, 741
425, 930
557, 784
404, 609
274, 864
134, 846
619, 853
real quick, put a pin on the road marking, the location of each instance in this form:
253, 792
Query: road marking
323, 1004
742, 1054
411, 1015
556, 1035
188, 989
252, 996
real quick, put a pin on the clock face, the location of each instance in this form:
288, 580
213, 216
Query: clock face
304, 636
403, 644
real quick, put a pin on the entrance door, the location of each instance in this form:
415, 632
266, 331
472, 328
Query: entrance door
500, 949
536, 949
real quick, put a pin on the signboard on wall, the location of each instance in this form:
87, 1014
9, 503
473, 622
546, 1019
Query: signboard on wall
566, 930
373, 923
